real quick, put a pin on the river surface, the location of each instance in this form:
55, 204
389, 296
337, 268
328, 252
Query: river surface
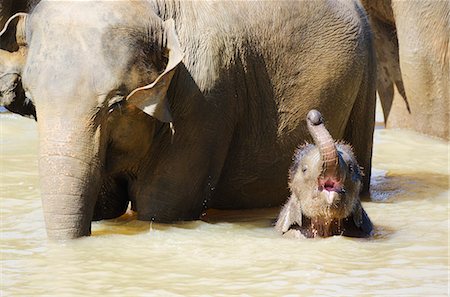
234, 253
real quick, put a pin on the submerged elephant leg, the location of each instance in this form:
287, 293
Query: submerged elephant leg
360, 125
113, 199
180, 184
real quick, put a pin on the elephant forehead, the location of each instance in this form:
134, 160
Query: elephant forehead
57, 61
80, 44
346, 153
77, 25
86, 27
309, 157
89, 13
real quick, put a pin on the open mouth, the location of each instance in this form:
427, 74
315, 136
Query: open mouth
331, 185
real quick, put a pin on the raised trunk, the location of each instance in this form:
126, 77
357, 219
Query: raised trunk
325, 143
69, 177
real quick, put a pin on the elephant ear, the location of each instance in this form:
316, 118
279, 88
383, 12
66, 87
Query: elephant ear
290, 214
13, 52
152, 97
358, 214
362, 220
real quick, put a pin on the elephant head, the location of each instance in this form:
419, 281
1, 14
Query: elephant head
325, 182
82, 66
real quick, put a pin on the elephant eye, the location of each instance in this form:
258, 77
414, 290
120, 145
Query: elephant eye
304, 168
116, 102
350, 168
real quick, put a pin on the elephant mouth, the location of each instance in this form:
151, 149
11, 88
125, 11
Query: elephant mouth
331, 185
332, 190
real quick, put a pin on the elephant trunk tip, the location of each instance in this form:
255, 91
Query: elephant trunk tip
314, 117
326, 144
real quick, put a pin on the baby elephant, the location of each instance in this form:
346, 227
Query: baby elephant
325, 182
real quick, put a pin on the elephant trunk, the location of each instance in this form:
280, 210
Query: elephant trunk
325, 143
70, 178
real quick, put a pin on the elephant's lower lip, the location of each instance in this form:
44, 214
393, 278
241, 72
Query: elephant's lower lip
338, 190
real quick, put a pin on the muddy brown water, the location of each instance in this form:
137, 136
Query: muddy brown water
234, 253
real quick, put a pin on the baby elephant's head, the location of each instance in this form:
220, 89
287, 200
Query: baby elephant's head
325, 182
325, 177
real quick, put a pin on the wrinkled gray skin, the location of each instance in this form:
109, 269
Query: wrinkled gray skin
249, 73
412, 46
325, 182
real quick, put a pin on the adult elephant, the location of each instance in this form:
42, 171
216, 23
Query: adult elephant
413, 52
234, 79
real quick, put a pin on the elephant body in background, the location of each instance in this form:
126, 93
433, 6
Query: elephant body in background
234, 80
413, 52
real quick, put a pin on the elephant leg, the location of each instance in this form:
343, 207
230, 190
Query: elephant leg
113, 199
361, 123
180, 183
422, 30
